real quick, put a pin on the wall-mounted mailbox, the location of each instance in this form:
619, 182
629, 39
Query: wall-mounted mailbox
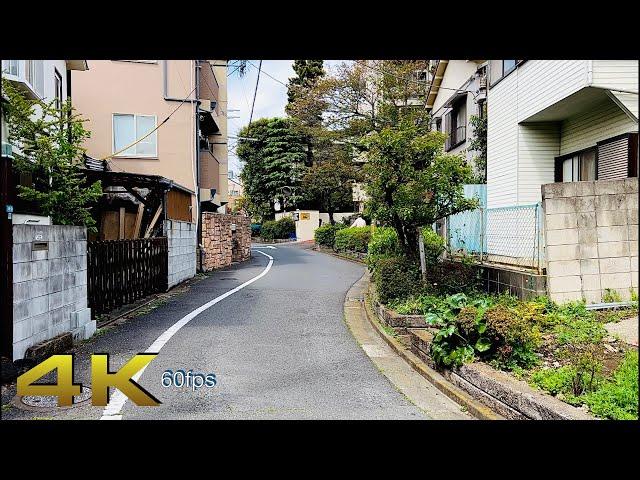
39, 246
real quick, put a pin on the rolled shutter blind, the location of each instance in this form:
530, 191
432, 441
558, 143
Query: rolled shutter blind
613, 159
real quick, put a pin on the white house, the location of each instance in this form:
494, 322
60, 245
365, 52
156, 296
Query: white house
557, 121
44, 79
457, 91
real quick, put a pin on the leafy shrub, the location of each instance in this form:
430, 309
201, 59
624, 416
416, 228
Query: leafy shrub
353, 239
383, 243
286, 227
554, 380
325, 235
434, 245
611, 296
282, 228
617, 398
255, 229
478, 326
268, 231
395, 278
448, 278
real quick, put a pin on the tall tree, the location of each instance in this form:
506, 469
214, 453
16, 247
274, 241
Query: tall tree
307, 74
47, 141
300, 92
411, 182
273, 165
328, 182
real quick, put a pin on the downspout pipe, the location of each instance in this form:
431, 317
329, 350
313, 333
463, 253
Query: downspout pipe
197, 150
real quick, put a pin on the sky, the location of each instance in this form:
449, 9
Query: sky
271, 96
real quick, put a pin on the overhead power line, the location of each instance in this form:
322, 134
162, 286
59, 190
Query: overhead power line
268, 74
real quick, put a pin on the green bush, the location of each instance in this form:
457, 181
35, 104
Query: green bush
269, 230
447, 278
255, 229
352, 239
286, 227
282, 228
396, 278
433, 245
617, 398
326, 234
383, 243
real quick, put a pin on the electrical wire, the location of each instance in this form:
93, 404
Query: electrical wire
268, 74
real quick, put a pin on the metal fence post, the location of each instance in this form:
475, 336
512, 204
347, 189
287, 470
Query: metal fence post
423, 262
482, 227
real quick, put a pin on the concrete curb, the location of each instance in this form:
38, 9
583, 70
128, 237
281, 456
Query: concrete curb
475, 408
333, 254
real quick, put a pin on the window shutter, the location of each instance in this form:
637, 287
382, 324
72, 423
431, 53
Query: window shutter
633, 155
613, 159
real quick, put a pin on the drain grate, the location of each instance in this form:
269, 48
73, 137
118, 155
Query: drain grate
50, 401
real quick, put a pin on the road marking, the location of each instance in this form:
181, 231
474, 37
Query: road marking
118, 399
266, 246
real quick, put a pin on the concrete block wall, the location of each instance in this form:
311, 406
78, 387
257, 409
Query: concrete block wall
591, 236
218, 240
182, 240
49, 284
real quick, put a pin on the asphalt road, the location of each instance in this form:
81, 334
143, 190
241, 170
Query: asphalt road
279, 348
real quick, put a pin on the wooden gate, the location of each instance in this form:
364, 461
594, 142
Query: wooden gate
120, 272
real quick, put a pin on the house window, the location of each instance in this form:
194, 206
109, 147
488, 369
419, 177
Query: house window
34, 74
58, 88
128, 128
12, 67
421, 76
577, 167
438, 124
456, 123
499, 69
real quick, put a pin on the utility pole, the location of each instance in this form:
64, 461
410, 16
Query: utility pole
255, 91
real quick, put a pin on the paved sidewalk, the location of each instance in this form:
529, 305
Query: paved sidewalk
626, 330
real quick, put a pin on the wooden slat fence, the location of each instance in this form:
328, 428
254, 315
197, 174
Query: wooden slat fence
120, 272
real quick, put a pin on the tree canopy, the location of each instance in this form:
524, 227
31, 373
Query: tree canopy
47, 140
273, 165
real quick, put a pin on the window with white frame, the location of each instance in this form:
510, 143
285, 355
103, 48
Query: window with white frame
127, 128
12, 67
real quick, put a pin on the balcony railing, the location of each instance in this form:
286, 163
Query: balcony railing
456, 137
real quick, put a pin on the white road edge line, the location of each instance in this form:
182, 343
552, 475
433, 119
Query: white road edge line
118, 399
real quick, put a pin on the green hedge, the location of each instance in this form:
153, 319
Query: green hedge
326, 234
396, 278
352, 239
282, 228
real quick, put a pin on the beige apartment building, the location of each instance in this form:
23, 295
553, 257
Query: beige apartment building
123, 100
